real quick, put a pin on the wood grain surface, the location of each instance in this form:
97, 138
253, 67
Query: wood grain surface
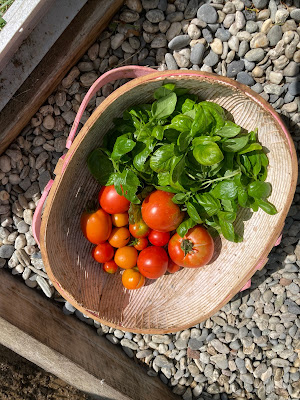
175, 301
36, 328
66, 51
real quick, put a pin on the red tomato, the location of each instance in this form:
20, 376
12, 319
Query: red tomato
139, 229
152, 262
103, 252
111, 201
125, 257
160, 213
158, 238
140, 243
96, 226
194, 250
172, 267
132, 279
110, 267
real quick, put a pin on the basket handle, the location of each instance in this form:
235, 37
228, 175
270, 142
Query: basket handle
129, 71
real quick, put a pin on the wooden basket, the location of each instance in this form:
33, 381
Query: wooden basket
178, 301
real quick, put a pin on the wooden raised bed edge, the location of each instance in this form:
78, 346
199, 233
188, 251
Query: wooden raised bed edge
36, 328
67, 50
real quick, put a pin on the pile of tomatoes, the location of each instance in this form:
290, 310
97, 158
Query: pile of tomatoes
139, 248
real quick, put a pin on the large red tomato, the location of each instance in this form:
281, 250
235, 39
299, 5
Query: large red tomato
152, 262
111, 201
194, 250
96, 226
160, 213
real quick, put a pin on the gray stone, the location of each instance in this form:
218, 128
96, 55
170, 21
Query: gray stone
251, 26
223, 34
274, 89
155, 16
219, 346
162, 361
245, 78
279, 362
207, 35
274, 35
179, 42
197, 54
255, 55
6, 251
249, 312
208, 14
170, 61
191, 9
243, 48
173, 31
195, 343
295, 14
220, 360
211, 59
129, 343
249, 65
159, 41
176, 16
234, 68
260, 4
294, 88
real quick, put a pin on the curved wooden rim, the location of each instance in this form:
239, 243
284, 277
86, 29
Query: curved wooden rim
80, 137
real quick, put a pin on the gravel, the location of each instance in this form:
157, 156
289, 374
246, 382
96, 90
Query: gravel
250, 348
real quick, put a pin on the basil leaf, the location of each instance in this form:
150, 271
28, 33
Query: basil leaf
226, 190
183, 141
210, 204
180, 198
181, 123
266, 206
164, 106
250, 147
122, 146
193, 213
185, 226
229, 130
163, 91
208, 153
158, 132
141, 152
100, 166
126, 184
188, 105
257, 166
235, 144
227, 230
163, 178
242, 197
177, 169
171, 135
162, 158
259, 190
227, 216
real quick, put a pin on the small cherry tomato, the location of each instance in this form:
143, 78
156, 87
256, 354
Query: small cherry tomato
159, 238
110, 267
125, 257
120, 219
111, 201
132, 279
139, 229
103, 252
172, 267
96, 226
140, 243
152, 262
119, 237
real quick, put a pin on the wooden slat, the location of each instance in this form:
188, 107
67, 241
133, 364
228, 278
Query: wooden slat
66, 51
36, 328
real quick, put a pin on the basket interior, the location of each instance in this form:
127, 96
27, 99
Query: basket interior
185, 298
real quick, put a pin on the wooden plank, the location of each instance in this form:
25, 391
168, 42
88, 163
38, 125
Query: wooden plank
36, 328
66, 51
24, 60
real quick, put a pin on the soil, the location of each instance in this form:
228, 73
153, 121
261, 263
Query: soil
22, 380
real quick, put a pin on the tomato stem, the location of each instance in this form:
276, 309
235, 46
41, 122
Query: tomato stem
186, 246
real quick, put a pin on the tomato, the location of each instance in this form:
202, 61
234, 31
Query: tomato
140, 243
96, 226
139, 229
103, 252
132, 279
111, 201
194, 250
158, 238
120, 219
110, 267
119, 237
172, 267
152, 262
125, 257
160, 213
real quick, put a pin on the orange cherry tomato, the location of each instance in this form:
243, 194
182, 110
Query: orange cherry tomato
140, 243
120, 219
103, 252
119, 237
172, 267
132, 279
110, 267
139, 229
125, 257
96, 226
